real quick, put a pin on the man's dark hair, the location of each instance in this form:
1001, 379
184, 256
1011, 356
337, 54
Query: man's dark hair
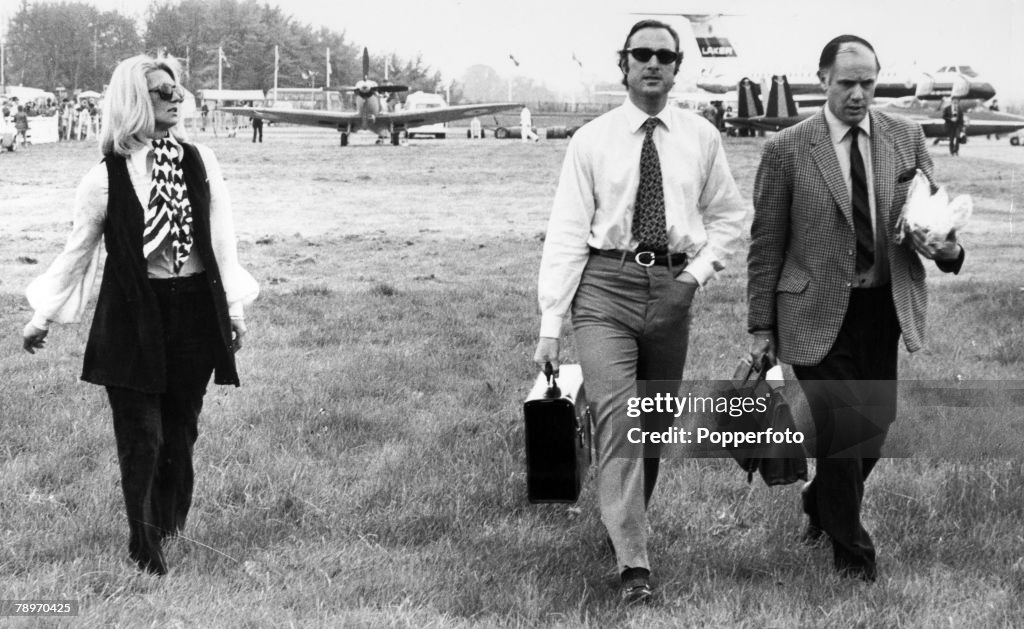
642, 24
831, 49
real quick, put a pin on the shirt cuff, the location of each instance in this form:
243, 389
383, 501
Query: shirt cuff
40, 322
702, 269
551, 325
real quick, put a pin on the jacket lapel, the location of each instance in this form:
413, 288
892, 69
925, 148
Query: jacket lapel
883, 160
825, 157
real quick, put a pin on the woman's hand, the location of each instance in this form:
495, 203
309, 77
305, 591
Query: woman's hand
34, 338
238, 330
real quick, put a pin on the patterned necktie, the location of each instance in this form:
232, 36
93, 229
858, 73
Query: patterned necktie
649, 211
861, 206
169, 214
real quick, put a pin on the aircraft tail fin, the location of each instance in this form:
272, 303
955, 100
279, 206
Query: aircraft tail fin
748, 99
780, 98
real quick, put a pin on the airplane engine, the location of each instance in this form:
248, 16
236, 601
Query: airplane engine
961, 86
925, 88
952, 85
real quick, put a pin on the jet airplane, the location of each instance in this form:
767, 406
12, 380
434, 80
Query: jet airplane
782, 112
371, 113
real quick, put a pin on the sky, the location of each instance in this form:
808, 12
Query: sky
782, 36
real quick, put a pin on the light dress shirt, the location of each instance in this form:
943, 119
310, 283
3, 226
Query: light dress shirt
60, 294
593, 205
839, 133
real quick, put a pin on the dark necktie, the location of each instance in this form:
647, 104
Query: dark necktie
861, 206
169, 214
649, 210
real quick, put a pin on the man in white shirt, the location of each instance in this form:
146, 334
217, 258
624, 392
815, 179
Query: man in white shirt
645, 213
526, 126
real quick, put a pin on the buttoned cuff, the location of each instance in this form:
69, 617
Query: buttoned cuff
551, 325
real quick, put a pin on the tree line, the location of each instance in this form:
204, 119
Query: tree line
76, 46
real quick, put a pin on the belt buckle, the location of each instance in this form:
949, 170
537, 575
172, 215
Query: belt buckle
649, 264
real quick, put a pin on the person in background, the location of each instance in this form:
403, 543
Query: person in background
21, 126
526, 126
953, 115
170, 307
257, 128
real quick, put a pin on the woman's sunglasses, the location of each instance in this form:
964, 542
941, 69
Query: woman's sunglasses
167, 91
643, 55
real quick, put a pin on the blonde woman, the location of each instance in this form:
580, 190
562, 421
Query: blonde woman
170, 306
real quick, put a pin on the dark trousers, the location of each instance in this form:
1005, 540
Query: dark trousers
257, 131
156, 432
852, 399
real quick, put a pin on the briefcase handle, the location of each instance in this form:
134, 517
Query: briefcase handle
553, 390
758, 368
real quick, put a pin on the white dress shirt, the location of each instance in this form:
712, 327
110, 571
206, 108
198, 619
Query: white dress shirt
593, 205
60, 294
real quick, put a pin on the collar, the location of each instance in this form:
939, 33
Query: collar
140, 156
636, 117
837, 129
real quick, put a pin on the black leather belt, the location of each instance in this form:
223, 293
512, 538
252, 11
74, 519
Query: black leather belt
643, 258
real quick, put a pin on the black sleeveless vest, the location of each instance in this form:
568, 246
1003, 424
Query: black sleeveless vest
126, 347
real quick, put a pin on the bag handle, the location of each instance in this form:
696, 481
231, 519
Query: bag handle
553, 390
760, 367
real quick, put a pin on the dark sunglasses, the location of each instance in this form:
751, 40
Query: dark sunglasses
167, 91
664, 55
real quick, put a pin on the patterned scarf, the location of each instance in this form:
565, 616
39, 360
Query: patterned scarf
169, 215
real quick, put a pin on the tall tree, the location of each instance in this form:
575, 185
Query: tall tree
71, 45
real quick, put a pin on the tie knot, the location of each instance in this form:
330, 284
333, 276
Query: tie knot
854, 132
650, 124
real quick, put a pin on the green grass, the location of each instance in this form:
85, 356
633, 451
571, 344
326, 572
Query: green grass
370, 470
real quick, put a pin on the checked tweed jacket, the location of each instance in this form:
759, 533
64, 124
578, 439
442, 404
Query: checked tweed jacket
803, 247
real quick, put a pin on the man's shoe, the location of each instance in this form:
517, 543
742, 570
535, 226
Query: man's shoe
636, 586
813, 535
866, 573
152, 563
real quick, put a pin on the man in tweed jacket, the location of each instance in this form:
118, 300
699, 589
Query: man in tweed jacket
832, 297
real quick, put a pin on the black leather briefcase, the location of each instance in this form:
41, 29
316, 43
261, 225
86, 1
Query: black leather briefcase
557, 436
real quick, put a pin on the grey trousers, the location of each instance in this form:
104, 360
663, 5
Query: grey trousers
631, 324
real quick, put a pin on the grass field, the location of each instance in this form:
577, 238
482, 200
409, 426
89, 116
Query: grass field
370, 470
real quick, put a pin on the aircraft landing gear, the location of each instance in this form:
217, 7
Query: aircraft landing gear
344, 138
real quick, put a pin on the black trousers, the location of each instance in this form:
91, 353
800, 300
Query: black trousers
156, 432
852, 399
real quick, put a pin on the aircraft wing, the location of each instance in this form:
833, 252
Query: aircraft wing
420, 117
314, 118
